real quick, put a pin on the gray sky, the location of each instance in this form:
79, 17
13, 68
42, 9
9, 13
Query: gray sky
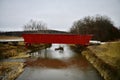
57, 14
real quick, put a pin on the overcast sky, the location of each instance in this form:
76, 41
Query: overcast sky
57, 14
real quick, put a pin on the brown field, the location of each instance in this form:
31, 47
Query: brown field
9, 37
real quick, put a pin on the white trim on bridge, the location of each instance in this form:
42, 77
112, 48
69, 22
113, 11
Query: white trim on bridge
96, 42
11, 40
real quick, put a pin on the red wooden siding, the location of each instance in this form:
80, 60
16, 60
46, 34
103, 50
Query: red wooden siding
57, 38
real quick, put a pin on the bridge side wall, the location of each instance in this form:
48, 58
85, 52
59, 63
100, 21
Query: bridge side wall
57, 38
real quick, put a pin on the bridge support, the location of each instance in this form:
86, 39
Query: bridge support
27, 45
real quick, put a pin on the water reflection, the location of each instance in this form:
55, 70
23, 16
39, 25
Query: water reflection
58, 74
52, 53
76, 66
13, 60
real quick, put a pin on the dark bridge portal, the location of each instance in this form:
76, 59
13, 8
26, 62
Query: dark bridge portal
57, 38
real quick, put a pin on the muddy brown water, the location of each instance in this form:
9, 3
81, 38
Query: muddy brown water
79, 68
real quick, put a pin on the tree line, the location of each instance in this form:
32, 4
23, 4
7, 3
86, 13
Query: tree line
101, 27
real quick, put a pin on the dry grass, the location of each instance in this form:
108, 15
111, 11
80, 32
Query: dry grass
7, 50
109, 52
10, 37
106, 59
11, 50
7, 66
12, 69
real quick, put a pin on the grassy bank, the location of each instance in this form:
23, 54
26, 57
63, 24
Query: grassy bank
19, 51
109, 52
7, 50
10, 70
105, 58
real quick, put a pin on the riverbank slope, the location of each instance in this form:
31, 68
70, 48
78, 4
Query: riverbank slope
105, 58
10, 70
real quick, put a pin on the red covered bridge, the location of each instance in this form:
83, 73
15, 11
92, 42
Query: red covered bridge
57, 38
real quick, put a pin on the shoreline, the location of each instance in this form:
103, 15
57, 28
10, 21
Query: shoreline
105, 58
11, 70
105, 70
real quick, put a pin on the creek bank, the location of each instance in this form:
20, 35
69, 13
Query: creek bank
106, 71
105, 59
19, 51
10, 70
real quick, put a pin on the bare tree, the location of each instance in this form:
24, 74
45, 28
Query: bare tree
35, 26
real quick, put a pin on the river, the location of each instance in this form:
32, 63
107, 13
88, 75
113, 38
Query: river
81, 71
